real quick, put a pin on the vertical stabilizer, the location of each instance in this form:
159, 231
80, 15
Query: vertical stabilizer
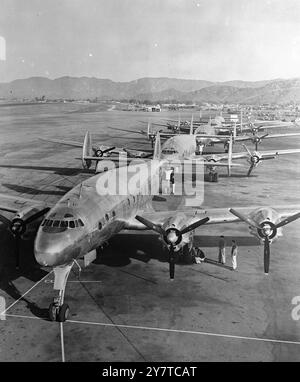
87, 150
149, 129
192, 127
229, 156
234, 131
157, 147
241, 120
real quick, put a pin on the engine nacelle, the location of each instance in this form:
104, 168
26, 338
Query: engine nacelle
18, 225
173, 235
266, 218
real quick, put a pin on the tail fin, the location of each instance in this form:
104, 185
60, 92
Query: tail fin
87, 150
241, 120
157, 147
234, 131
192, 127
229, 156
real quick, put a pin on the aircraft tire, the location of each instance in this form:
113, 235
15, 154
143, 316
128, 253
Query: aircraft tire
52, 312
63, 314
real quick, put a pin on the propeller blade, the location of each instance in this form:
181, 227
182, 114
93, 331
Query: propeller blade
37, 215
250, 170
4, 220
128, 131
266, 255
244, 218
264, 136
107, 150
150, 225
172, 263
288, 220
194, 225
248, 151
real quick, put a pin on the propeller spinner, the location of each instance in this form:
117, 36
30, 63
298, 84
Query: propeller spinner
172, 237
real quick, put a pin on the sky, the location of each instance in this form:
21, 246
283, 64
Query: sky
123, 40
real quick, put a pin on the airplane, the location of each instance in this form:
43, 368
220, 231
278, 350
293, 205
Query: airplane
184, 147
210, 135
254, 158
84, 218
180, 147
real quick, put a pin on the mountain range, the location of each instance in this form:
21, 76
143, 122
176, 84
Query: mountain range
277, 91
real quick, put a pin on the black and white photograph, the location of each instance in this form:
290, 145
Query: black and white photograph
149, 183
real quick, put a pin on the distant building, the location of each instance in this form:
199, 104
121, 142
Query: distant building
156, 108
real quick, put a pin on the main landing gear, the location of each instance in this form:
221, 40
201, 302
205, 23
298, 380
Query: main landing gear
58, 310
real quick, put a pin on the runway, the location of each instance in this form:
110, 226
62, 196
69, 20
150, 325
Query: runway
124, 307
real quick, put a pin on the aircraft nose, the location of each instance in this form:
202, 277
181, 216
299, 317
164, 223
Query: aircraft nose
49, 252
46, 254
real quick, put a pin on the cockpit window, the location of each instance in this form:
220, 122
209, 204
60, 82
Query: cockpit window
169, 151
62, 224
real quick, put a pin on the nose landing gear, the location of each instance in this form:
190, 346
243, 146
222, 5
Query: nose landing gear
58, 310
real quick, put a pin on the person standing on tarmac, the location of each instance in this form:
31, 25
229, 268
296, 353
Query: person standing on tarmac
234, 251
222, 255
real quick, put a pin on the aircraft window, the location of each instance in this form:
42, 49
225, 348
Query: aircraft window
63, 224
80, 222
99, 225
71, 224
68, 216
43, 222
128, 200
113, 214
49, 223
106, 217
76, 223
56, 223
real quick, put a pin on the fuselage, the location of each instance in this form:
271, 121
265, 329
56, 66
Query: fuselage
179, 147
92, 212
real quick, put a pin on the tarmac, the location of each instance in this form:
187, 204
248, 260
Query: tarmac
123, 306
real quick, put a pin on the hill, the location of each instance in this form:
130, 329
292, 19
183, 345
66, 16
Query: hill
154, 89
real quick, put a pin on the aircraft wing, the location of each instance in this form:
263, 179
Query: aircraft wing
130, 131
68, 143
217, 138
269, 154
15, 204
282, 135
279, 152
215, 215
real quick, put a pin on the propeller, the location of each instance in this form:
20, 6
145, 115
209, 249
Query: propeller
172, 237
267, 230
99, 153
255, 158
17, 227
257, 139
